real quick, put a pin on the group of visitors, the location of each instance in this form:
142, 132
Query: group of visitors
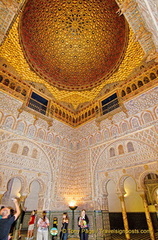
83, 224
7, 219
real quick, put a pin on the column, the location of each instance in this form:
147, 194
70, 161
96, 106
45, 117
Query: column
40, 202
1, 195
22, 200
124, 214
148, 218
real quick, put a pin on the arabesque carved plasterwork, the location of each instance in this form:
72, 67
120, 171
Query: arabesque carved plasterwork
146, 7
142, 102
18, 159
76, 161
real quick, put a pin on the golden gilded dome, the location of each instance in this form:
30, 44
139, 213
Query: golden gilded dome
73, 45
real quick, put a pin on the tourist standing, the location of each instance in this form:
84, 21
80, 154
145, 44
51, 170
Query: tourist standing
83, 222
42, 227
31, 226
64, 228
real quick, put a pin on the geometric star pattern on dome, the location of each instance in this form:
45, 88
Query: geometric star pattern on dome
73, 45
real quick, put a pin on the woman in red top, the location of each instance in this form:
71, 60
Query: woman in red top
31, 225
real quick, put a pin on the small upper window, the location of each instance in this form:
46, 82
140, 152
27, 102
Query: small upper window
146, 80
34, 153
134, 87
25, 151
130, 147
140, 83
112, 152
12, 85
120, 149
123, 93
6, 82
14, 148
152, 76
128, 89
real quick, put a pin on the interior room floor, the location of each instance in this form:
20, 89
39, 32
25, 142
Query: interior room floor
113, 236
133, 236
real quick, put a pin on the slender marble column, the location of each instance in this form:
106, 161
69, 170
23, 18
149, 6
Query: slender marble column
1, 195
125, 220
148, 218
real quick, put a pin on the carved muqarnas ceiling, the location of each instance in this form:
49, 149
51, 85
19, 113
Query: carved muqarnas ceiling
73, 45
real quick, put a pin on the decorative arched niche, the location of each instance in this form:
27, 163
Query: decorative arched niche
32, 200
14, 187
132, 198
113, 200
9, 122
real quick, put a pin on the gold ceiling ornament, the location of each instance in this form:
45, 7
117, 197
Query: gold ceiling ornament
11, 50
73, 45
75, 99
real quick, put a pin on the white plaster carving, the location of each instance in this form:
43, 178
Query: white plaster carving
76, 162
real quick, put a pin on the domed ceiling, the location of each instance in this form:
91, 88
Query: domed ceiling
73, 45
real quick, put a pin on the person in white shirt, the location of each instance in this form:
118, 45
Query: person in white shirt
42, 227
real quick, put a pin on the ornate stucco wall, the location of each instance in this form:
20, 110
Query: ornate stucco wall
77, 164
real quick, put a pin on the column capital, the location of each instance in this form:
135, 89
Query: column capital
22, 198
120, 195
142, 194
